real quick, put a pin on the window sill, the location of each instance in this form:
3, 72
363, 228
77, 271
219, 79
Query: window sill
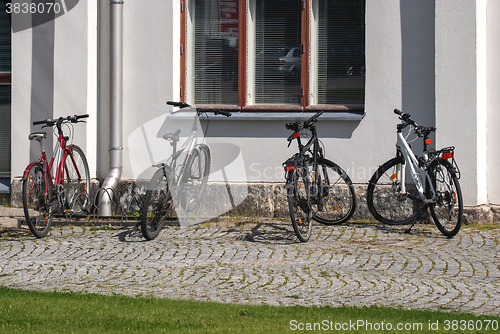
291, 116
261, 113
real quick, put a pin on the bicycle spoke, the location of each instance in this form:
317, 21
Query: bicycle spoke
448, 210
385, 199
299, 207
195, 179
76, 182
338, 199
158, 206
38, 210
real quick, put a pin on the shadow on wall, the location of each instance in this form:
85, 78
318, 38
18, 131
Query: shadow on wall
27, 15
418, 60
174, 144
277, 129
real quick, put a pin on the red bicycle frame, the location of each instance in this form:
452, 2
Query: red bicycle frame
61, 168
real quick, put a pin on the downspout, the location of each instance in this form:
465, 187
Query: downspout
116, 91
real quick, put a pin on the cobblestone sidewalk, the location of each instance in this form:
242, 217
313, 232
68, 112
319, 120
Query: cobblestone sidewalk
261, 262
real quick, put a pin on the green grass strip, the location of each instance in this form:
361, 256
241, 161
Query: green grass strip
51, 312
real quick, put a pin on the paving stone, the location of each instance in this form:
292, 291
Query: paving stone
250, 262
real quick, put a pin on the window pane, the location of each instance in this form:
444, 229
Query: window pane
277, 45
341, 52
216, 52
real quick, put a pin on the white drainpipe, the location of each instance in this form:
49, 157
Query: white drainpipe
116, 91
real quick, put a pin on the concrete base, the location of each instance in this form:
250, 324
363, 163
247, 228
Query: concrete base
257, 199
16, 197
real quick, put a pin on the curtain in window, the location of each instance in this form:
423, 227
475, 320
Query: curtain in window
216, 52
341, 52
278, 52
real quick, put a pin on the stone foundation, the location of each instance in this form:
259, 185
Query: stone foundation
257, 199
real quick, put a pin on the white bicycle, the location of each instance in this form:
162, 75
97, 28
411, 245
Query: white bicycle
404, 187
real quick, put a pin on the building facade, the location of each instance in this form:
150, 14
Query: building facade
356, 60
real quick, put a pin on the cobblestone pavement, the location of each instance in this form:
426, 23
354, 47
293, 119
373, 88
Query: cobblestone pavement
261, 262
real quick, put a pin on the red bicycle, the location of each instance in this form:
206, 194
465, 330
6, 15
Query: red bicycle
58, 187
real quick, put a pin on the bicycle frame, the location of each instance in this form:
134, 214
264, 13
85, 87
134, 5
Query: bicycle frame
418, 174
303, 149
190, 143
58, 178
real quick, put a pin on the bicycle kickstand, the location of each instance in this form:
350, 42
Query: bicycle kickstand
412, 224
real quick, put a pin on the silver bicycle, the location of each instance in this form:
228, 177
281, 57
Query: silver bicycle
404, 187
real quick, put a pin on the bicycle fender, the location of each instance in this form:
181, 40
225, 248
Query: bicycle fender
289, 181
447, 164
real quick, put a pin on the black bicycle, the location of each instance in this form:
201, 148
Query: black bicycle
316, 188
177, 186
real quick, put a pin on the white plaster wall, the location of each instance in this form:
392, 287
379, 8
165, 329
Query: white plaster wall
150, 59
151, 77
457, 96
70, 83
21, 83
71, 71
152, 74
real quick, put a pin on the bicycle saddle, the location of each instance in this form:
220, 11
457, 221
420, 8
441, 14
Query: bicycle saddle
38, 136
172, 136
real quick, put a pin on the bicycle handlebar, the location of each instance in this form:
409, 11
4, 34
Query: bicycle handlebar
313, 119
52, 122
178, 104
199, 110
297, 126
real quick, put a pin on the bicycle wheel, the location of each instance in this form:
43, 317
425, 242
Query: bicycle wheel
298, 204
447, 212
37, 208
195, 178
76, 182
384, 198
338, 200
157, 207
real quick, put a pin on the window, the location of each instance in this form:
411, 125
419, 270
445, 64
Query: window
277, 52
215, 58
274, 54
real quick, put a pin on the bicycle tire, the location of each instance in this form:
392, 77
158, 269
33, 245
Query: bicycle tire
157, 207
37, 207
384, 199
76, 182
447, 212
337, 193
195, 178
299, 205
